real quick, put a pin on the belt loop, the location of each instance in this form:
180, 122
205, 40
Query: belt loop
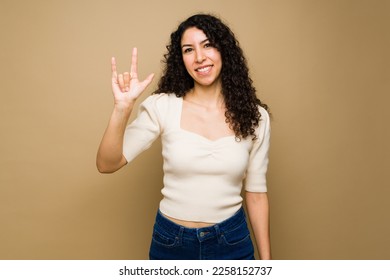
180, 235
218, 233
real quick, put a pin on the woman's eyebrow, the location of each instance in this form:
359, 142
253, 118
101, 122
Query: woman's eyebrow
190, 45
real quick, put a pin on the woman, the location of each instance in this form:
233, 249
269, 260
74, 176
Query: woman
215, 137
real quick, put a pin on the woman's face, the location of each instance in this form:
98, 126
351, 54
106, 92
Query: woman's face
202, 60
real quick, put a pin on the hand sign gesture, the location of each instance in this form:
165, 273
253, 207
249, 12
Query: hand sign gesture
126, 87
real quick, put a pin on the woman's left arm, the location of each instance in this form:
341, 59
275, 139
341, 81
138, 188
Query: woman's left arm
258, 211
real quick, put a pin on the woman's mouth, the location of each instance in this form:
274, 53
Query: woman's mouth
204, 69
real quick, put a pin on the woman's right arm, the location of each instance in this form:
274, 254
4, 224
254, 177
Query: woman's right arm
126, 89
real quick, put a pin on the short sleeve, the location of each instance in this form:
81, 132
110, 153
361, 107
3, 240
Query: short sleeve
255, 180
144, 130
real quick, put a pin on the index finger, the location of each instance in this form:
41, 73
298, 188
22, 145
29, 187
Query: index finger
134, 63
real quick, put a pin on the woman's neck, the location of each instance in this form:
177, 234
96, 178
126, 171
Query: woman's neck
207, 96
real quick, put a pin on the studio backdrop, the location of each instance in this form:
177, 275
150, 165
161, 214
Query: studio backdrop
321, 66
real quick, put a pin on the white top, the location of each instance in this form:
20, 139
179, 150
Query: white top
202, 178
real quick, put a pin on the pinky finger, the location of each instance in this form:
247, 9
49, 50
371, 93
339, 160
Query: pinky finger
113, 68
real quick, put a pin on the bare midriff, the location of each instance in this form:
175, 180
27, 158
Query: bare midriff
188, 224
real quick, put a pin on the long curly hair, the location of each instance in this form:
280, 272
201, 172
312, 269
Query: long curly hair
242, 113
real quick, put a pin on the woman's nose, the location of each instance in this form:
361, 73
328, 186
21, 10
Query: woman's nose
200, 57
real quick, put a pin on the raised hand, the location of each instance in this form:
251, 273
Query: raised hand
127, 87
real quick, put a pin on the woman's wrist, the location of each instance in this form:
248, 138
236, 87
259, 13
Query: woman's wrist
123, 109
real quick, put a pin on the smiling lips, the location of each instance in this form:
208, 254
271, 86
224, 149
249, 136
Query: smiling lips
204, 69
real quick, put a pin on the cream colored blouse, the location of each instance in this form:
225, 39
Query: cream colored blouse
202, 178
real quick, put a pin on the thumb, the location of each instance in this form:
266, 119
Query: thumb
147, 81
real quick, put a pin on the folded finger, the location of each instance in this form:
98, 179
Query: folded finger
121, 82
126, 80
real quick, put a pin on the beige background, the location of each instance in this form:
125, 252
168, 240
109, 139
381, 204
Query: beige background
322, 66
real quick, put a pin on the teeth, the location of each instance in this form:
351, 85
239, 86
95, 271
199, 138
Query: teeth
205, 69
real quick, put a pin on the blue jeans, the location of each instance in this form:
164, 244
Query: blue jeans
228, 240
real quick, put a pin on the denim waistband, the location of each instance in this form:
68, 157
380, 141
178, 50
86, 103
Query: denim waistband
205, 232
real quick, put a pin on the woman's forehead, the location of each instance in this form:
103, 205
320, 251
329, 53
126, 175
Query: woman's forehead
193, 35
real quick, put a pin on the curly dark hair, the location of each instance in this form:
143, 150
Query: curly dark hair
239, 94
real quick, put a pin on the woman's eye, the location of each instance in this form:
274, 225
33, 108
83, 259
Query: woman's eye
187, 50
